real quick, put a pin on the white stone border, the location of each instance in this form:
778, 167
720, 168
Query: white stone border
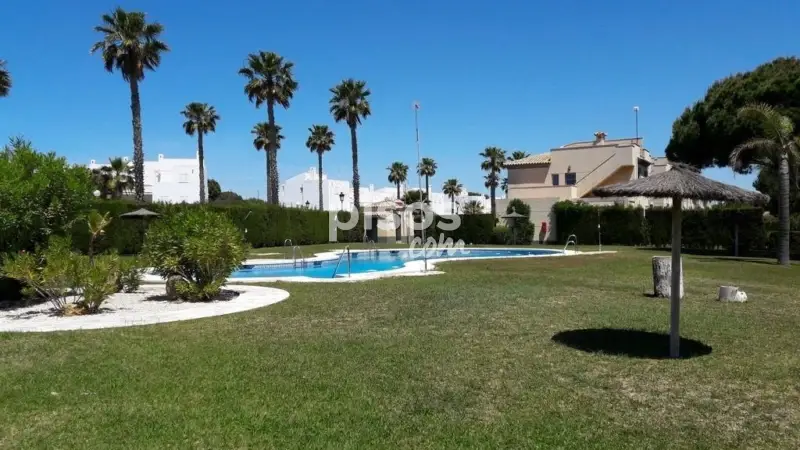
125, 310
411, 268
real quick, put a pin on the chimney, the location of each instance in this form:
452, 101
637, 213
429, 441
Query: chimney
599, 137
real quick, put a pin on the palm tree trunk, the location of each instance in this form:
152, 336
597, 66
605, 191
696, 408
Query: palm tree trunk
138, 151
783, 211
269, 163
427, 190
398, 189
356, 179
272, 170
452, 205
494, 203
201, 160
319, 154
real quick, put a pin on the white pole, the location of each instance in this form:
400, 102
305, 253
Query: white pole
419, 181
675, 290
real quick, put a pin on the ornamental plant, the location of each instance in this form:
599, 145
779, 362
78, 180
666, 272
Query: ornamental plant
198, 245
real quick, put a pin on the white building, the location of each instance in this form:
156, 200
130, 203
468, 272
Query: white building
302, 188
168, 180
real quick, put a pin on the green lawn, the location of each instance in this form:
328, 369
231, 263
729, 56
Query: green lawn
464, 359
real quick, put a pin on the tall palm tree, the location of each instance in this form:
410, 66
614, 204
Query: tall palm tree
774, 150
427, 168
398, 173
262, 134
493, 162
504, 185
131, 45
201, 119
349, 104
320, 140
517, 154
5, 80
270, 81
452, 188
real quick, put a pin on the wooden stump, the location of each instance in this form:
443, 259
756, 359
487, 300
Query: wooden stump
662, 276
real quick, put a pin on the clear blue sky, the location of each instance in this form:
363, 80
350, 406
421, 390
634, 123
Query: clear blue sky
520, 75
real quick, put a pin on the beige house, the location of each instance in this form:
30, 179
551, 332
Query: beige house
571, 171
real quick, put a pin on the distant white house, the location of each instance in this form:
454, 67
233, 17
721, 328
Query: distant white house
168, 180
337, 194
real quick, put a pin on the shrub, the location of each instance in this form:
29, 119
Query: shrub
199, 245
500, 235
40, 195
130, 275
57, 274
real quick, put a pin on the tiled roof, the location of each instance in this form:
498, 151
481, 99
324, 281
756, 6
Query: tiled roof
543, 158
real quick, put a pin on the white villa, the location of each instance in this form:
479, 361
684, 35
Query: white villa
304, 187
168, 180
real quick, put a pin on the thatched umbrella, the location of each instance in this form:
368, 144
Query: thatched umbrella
511, 218
141, 214
681, 182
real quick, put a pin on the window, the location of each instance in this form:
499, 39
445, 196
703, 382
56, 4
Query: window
555, 179
184, 178
569, 178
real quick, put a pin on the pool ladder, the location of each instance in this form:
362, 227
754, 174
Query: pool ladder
571, 239
372, 249
347, 251
294, 257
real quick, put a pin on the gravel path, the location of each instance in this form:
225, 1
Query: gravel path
141, 308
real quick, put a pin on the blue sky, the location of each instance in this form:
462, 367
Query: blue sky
515, 74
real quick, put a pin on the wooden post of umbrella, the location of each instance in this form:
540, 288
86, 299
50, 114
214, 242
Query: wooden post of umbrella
675, 290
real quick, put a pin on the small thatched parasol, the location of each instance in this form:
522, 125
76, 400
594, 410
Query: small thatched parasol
681, 182
144, 215
512, 219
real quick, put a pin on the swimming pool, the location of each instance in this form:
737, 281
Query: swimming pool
362, 262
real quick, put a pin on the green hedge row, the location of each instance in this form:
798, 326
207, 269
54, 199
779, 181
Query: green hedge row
702, 229
266, 225
474, 229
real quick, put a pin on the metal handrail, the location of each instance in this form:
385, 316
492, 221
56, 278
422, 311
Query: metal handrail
571, 239
294, 257
291, 244
341, 255
372, 248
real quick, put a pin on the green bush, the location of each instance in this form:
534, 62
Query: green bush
40, 195
130, 275
201, 246
474, 228
58, 274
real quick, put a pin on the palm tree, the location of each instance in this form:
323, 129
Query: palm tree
398, 173
113, 180
517, 154
774, 150
473, 207
262, 135
427, 168
201, 119
350, 104
5, 80
131, 45
270, 81
452, 188
493, 162
504, 185
320, 140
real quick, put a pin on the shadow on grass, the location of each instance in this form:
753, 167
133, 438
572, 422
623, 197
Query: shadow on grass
630, 343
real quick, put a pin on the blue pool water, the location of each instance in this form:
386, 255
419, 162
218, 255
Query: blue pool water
363, 262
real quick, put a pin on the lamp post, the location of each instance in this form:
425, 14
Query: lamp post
599, 239
302, 197
96, 193
341, 201
419, 182
308, 205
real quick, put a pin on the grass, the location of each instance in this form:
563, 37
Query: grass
466, 359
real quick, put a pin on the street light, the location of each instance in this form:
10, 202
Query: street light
341, 201
96, 193
419, 182
308, 204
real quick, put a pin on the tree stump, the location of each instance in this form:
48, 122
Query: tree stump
662, 276
731, 294
172, 286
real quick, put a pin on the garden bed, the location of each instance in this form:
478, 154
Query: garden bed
146, 306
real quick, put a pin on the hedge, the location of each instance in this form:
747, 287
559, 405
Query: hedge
702, 229
474, 228
266, 225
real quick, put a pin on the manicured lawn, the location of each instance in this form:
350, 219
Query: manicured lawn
464, 359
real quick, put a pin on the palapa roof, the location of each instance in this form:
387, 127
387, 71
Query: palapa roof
140, 213
681, 181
